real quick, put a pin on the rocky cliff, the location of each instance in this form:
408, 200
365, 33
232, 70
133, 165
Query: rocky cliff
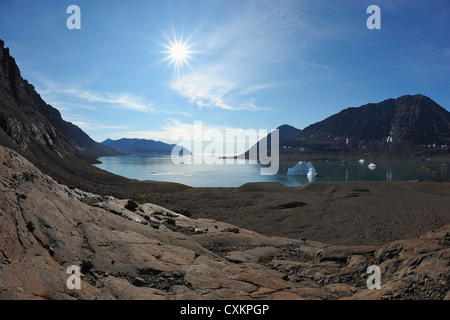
36, 130
131, 251
407, 127
32, 125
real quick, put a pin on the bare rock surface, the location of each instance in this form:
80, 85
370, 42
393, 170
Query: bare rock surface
127, 250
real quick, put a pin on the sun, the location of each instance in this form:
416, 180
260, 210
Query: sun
178, 53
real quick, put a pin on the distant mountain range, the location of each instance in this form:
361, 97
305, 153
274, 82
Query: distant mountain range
142, 147
409, 126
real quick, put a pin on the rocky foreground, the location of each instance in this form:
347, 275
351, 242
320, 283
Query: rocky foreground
143, 251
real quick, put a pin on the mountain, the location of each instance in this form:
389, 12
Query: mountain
36, 130
287, 131
284, 132
31, 126
403, 127
142, 147
133, 251
409, 126
128, 251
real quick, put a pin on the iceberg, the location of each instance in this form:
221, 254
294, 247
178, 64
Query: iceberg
361, 161
302, 168
311, 173
372, 166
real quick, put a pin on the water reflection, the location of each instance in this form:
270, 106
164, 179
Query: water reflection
232, 173
297, 180
388, 175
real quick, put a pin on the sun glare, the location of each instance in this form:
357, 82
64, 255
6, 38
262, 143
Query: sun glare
178, 53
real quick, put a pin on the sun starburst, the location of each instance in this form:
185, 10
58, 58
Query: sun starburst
178, 53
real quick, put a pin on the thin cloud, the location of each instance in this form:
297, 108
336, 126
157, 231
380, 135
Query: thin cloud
67, 98
212, 88
219, 86
237, 54
198, 132
120, 101
87, 125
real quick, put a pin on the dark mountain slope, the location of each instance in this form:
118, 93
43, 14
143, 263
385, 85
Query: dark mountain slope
287, 131
284, 132
37, 131
409, 126
32, 124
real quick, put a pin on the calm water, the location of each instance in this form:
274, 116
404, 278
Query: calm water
161, 168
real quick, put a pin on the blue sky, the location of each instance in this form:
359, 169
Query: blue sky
254, 64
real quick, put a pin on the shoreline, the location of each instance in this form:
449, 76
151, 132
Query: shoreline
254, 206
128, 250
418, 165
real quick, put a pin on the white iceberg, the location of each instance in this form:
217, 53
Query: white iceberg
372, 166
311, 174
361, 161
304, 169
311, 178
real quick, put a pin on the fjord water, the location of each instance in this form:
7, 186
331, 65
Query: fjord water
239, 172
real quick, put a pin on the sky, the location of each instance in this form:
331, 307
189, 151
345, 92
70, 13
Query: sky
244, 64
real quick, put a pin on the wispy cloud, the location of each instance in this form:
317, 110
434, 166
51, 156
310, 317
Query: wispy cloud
89, 125
245, 48
68, 98
212, 87
106, 99
197, 132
